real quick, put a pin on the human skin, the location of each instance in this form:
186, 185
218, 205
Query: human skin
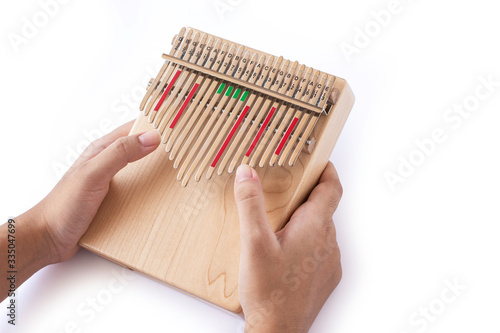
286, 277
49, 234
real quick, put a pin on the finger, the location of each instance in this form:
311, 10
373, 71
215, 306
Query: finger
255, 229
100, 144
318, 209
325, 197
101, 168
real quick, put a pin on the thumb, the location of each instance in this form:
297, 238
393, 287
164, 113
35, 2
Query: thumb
121, 152
255, 229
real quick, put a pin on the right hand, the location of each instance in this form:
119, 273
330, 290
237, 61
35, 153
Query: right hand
286, 277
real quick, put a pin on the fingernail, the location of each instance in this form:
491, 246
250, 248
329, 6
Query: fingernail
150, 138
243, 173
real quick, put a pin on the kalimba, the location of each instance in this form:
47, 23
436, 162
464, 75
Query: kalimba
217, 104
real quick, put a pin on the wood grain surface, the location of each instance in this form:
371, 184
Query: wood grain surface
189, 237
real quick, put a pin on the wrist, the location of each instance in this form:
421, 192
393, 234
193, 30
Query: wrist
29, 250
38, 248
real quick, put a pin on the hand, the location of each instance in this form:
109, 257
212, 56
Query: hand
286, 277
70, 207
49, 232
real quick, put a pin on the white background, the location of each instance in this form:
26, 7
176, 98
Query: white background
399, 246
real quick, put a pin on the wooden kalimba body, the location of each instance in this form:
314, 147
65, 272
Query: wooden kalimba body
217, 104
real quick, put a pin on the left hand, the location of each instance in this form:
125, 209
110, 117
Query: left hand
66, 212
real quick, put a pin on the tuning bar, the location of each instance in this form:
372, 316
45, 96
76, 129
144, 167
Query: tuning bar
243, 83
